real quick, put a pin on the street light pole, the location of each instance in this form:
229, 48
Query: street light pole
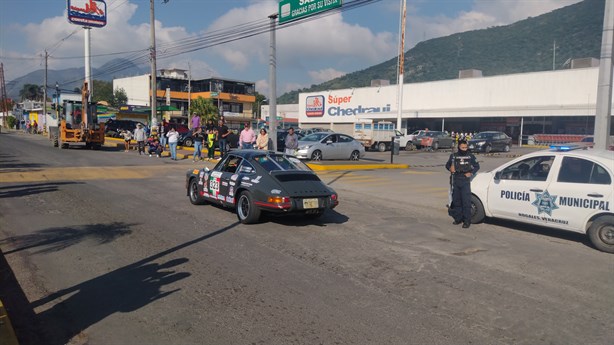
57, 100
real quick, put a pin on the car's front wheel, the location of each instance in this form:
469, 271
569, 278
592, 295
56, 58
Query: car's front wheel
195, 199
247, 212
316, 155
477, 210
601, 233
435, 145
487, 149
506, 148
410, 146
355, 155
188, 143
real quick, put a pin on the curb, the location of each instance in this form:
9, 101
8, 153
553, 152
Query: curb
319, 167
7, 334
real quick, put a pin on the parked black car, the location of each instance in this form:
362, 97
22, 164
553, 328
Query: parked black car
113, 128
490, 141
281, 139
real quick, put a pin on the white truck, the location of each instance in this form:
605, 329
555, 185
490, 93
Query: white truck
378, 135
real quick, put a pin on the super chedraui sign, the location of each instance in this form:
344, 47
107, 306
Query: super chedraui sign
339, 106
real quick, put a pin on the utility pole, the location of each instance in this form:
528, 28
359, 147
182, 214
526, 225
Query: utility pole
273, 84
152, 49
554, 55
45, 90
401, 62
3, 96
603, 114
189, 91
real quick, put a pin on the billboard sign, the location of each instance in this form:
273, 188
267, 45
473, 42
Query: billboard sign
314, 106
290, 10
92, 13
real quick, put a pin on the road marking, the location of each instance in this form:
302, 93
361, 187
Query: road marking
82, 173
414, 172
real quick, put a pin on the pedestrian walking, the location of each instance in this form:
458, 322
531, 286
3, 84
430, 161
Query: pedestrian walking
127, 135
463, 166
163, 131
211, 144
173, 138
247, 138
140, 136
291, 142
222, 134
197, 135
195, 121
34, 127
262, 142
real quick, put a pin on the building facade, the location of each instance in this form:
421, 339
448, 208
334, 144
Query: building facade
234, 98
556, 102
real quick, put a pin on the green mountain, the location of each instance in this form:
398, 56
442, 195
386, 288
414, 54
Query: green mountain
525, 46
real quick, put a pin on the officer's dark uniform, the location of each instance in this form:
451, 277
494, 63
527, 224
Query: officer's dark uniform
464, 162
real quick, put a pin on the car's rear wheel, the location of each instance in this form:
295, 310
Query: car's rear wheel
381, 147
506, 148
247, 212
477, 210
355, 155
195, 198
601, 233
316, 155
487, 149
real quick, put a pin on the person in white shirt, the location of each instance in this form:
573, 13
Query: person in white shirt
173, 138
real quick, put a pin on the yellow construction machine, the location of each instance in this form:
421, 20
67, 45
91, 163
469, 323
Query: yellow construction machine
77, 124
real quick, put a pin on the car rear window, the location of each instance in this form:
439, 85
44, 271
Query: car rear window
280, 162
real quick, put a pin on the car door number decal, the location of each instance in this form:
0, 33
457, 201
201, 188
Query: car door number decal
214, 185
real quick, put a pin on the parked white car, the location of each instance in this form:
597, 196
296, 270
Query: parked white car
565, 188
325, 145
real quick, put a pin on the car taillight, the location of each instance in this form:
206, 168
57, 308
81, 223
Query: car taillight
333, 197
278, 199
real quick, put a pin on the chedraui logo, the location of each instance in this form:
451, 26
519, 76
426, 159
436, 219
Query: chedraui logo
314, 106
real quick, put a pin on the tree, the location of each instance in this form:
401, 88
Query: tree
31, 92
119, 97
11, 121
103, 91
204, 108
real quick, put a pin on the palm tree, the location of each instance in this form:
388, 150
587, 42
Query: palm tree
204, 108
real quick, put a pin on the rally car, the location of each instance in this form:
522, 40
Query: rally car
565, 188
256, 181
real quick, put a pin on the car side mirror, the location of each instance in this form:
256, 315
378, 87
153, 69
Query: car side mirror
206, 169
329, 142
497, 176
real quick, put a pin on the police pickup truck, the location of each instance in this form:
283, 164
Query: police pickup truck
566, 188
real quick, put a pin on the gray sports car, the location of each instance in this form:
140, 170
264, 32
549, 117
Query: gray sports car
255, 181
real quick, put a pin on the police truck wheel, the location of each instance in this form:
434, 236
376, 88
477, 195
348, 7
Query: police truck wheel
316, 155
477, 210
247, 212
381, 147
601, 233
55, 140
355, 156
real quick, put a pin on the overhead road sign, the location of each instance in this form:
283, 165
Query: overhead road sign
290, 10
91, 13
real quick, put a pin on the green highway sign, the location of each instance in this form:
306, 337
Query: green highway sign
290, 10
214, 94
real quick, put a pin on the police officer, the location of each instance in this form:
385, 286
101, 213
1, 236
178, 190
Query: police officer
463, 165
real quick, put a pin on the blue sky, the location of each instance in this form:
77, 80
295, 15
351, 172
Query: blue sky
308, 53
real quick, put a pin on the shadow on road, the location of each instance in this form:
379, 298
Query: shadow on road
124, 290
329, 217
30, 189
55, 239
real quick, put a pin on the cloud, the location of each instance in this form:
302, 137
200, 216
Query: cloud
483, 14
325, 75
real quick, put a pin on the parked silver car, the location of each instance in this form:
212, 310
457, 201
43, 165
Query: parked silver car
325, 145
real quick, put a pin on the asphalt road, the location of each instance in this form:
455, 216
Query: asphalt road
103, 247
